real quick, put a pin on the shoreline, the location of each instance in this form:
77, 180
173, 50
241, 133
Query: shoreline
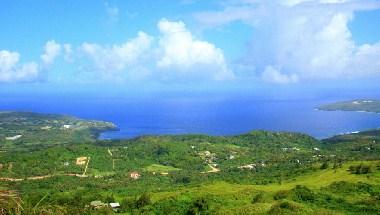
318, 138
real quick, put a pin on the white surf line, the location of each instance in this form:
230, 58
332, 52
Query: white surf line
85, 169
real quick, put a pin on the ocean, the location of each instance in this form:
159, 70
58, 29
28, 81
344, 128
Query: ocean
200, 115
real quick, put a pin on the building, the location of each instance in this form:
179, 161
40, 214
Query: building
98, 204
135, 175
14, 137
248, 166
81, 161
46, 128
115, 206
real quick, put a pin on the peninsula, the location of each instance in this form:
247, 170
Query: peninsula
361, 105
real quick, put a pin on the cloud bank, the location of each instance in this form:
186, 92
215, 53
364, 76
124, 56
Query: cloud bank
292, 41
11, 70
175, 54
51, 51
302, 39
181, 53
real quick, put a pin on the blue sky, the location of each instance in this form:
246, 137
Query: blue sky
229, 45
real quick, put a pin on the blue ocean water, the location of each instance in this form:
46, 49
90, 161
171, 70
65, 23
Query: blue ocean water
219, 116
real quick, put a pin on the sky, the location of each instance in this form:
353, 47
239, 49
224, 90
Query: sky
132, 47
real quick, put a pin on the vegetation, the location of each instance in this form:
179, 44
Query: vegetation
255, 173
356, 105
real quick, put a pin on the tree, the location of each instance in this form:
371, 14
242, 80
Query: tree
109, 199
200, 205
325, 165
143, 201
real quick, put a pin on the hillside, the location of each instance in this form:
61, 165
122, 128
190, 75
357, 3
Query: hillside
355, 105
259, 172
25, 129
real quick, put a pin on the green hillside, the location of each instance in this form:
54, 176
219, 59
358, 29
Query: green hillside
259, 172
26, 129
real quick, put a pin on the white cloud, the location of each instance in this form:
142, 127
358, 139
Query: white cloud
67, 52
306, 38
11, 71
51, 51
176, 56
229, 14
272, 75
116, 59
366, 60
181, 53
112, 12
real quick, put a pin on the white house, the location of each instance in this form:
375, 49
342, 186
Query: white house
14, 137
135, 175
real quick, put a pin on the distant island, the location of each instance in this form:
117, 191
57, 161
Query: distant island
354, 105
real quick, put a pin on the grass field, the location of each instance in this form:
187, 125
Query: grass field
160, 168
315, 180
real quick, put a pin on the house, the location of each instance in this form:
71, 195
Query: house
66, 163
81, 161
135, 175
98, 204
66, 126
248, 166
115, 206
14, 137
46, 128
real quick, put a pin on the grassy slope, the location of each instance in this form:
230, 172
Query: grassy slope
160, 168
236, 198
314, 180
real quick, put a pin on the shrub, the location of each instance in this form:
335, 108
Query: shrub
128, 204
347, 187
200, 205
325, 165
258, 198
109, 199
360, 169
285, 207
282, 194
303, 193
143, 201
